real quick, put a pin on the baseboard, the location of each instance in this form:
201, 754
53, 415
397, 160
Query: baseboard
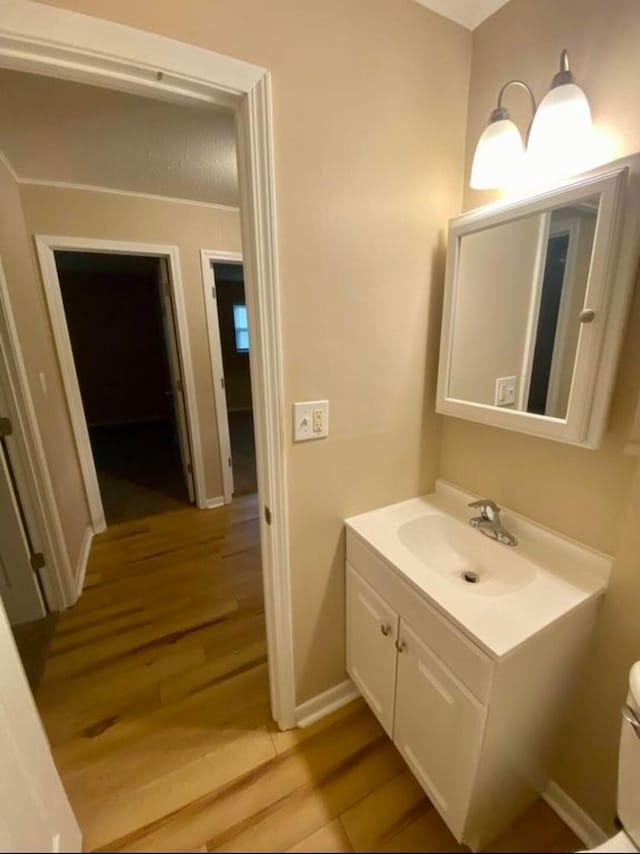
323, 704
83, 560
574, 816
212, 503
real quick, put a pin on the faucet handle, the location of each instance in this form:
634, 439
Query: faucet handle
488, 509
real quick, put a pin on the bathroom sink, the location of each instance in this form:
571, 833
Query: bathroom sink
498, 595
454, 550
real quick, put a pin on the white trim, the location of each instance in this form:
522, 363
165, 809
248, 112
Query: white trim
44, 39
90, 188
258, 220
83, 560
321, 705
212, 503
584, 827
57, 575
46, 245
537, 279
207, 256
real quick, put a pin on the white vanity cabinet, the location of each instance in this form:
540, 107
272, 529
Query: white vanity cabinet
438, 726
371, 647
477, 730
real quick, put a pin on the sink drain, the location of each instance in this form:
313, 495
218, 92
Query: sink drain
471, 577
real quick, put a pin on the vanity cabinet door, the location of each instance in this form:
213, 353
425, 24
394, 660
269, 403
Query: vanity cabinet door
372, 632
438, 728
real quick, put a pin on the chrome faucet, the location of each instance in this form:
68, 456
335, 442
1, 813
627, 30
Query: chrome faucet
489, 524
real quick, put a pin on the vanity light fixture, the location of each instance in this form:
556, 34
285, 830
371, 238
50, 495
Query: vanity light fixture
500, 152
558, 135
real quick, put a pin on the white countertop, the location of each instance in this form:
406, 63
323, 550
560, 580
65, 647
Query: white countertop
523, 589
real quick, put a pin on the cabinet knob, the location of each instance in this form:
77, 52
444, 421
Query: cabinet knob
401, 645
587, 315
385, 629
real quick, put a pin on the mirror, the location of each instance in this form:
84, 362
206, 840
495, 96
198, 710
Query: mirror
528, 305
521, 289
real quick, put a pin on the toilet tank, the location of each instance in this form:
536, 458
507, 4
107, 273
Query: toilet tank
629, 764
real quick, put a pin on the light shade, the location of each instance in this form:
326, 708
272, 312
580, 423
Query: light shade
561, 133
498, 157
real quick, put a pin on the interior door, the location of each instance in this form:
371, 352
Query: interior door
372, 631
175, 370
438, 728
19, 588
35, 814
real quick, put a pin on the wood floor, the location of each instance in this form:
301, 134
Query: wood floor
155, 699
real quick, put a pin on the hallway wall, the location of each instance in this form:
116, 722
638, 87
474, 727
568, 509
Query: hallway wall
31, 318
89, 213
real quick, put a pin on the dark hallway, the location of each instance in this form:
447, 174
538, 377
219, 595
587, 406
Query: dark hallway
114, 315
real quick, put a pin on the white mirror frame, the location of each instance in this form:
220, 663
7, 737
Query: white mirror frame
608, 294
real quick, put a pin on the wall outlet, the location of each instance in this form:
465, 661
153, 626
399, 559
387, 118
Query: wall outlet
310, 420
505, 391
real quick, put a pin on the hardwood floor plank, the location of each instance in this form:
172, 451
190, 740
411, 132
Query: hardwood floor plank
537, 829
226, 808
283, 741
330, 837
380, 816
308, 808
107, 822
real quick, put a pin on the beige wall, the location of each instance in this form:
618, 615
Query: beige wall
30, 315
104, 138
369, 115
86, 213
583, 493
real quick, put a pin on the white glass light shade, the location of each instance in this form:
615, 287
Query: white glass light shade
561, 139
498, 157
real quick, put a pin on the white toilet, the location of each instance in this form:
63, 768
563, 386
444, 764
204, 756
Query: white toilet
628, 839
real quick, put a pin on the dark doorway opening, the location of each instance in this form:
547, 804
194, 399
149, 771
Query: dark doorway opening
235, 345
556, 262
114, 310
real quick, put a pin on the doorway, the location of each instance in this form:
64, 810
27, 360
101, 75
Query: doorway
122, 337
159, 267
235, 351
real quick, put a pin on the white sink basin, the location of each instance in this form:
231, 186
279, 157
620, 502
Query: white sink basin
519, 589
446, 546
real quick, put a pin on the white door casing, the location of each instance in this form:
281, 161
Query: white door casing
29, 464
18, 585
176, 374
35, 813
43, 39
209, 290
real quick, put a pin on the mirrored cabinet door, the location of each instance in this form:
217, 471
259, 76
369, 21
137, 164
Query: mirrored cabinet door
535, 299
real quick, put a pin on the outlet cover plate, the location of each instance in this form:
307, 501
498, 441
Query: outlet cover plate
310, 420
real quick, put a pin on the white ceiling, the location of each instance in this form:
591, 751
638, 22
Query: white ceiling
469, 13
55, 130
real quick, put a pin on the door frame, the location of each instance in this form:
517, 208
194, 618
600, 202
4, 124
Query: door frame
44, 39
207, 259
46, 246
34, 480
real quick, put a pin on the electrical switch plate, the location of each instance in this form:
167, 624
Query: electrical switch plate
310, 420
505, 391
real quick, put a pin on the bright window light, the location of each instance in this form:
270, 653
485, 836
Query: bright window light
241, 327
